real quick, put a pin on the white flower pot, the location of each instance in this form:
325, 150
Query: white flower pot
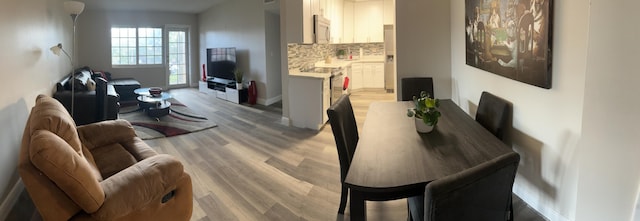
239, 86
421, 127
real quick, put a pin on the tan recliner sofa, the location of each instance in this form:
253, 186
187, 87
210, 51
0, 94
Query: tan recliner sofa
99, 171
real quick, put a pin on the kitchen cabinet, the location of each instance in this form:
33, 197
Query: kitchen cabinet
335, 12
299, 21
347, 29
363, 21
389, 12
373, 75
356, 76
366, 75
308, 101
368, 26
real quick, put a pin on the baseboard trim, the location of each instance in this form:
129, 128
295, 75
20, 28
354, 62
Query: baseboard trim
272, 100
285, 121
10, 201
543, 209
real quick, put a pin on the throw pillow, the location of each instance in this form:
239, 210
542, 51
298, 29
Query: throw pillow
91, 85
79, 82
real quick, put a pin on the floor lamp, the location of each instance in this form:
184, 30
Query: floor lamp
74, 8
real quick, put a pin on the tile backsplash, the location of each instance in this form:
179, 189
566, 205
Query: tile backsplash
306, 55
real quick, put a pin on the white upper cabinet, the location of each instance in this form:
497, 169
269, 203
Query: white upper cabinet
389, 12
347, 28
363, 21
335, 12
368, 26
299, 21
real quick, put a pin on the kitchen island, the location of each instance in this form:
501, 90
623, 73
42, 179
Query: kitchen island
309, 98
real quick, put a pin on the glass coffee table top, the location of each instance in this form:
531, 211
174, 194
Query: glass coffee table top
155, 105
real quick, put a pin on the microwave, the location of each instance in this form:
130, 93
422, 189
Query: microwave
321, 30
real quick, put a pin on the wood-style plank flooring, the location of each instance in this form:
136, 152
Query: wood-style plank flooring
252, 167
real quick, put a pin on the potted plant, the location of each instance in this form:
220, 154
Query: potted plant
238, 74
425, 112
340, 54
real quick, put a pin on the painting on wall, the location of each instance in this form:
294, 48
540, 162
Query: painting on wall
510, 38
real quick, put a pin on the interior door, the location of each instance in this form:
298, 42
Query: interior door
177, 57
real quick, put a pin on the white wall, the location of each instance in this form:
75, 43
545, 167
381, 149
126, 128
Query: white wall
29, 29
423, 43
238, 24
546, 123
610, 145
94, 42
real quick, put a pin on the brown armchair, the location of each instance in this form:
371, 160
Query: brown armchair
99, 171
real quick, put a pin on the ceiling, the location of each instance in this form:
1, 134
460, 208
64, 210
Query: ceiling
184, 6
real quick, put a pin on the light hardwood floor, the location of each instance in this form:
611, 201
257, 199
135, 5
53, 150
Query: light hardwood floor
251, 167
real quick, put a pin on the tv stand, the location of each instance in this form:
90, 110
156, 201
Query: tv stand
219, 84
226, 89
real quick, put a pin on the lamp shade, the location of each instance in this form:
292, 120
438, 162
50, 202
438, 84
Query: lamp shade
74, 7
56, 49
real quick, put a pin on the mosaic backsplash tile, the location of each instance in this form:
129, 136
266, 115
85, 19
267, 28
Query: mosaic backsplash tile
306, 55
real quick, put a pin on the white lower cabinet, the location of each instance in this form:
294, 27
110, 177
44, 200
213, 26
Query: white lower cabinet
356, 75
367, 75
308, 101
377, 75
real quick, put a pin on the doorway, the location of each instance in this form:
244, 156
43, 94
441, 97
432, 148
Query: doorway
177, 56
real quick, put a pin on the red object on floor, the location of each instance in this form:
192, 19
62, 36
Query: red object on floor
204, 73
346, 83
253, 92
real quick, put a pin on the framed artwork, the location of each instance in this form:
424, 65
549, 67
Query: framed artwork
510, 38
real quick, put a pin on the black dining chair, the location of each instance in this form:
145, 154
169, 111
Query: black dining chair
493, 113
345, 132
481, 193
414, 85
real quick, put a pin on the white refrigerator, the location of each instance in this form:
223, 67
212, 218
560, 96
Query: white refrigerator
389, 61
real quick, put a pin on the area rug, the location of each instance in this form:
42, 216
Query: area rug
181, 120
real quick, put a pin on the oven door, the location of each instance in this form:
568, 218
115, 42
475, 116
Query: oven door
336, 86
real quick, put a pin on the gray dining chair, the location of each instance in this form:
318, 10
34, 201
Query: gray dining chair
479, 193
345, 133
493, 113
414, 85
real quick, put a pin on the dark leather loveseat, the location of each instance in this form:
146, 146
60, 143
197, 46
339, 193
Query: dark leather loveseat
89, 105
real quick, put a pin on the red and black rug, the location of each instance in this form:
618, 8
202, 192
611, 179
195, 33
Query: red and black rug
181, 120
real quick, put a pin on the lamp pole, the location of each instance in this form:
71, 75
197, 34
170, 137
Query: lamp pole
74, 8
74, 18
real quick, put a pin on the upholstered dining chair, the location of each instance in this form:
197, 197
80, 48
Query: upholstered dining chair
493, 113
98, 171
414, 85
481, 193
345, 132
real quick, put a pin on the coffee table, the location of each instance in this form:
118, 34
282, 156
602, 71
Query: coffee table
155, 106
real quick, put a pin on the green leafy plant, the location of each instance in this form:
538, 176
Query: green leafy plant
426, 108
340, 53
238, 74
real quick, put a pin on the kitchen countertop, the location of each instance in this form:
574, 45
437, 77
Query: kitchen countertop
298, 73
340, 63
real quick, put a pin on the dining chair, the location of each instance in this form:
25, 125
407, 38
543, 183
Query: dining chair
493, 113
479, 193
414, 85
345, 132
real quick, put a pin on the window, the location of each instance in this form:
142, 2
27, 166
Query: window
136, 46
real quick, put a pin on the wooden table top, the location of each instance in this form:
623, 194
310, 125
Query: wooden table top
391, 155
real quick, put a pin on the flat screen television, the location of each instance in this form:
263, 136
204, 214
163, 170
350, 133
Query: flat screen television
221, 62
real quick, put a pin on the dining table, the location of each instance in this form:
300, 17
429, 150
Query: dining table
393, 161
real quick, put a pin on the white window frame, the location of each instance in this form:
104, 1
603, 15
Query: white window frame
137, 49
